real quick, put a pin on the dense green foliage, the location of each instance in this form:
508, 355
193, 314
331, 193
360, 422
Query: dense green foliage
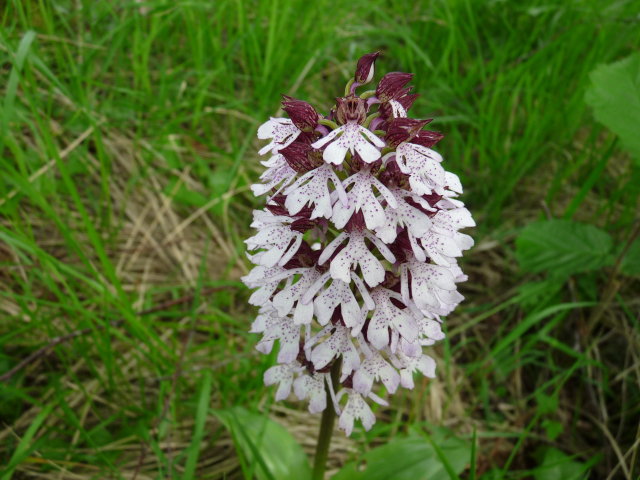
127, 147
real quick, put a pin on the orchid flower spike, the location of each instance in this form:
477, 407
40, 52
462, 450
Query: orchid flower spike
356, 251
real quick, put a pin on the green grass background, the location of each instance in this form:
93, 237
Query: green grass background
127, 147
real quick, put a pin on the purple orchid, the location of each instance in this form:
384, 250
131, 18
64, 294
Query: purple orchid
357, 246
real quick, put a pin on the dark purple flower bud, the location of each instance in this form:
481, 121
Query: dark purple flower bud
401, 246
302, 225
392, 176
432, 199
337, 318
356, 223
305, 257
351, 109
407, 100
427, 138
303, 115
403, 130
365, 68
276, 206
302, 157
391, 86
348, 382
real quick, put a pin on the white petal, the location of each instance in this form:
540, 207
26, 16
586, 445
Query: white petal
335, 153
326, 139
377, 141
367, 152
331, 248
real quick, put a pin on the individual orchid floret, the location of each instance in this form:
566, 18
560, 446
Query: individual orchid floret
433, 287
266, 280
362, 197
291, 294
339, 294
282, 375
357, 409
276, 237
351, 136
356, 250
278, 173
312, 386
422, 164
444, 243
408, 365
282, 133
313, 189
389, 322
274, 327
337, 343
375, 368
356, 253
400, 215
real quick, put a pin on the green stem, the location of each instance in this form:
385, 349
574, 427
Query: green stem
326, 427
328, 123
368, 120
347, 89
367, 94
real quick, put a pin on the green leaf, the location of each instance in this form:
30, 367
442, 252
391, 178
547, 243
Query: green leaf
412, 458
631, 261
556, 464
552, 428
193, 451
563, 247
546, 403
615, 98
26, 444
270, 450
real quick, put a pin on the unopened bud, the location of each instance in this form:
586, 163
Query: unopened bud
427, 138
391, 86
403, 130
365, 68
302, 157
303, 115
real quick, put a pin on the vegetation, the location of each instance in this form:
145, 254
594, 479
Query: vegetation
127, 148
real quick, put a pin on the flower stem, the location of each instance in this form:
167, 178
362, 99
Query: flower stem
347, 89
326, 427
367, 121
328, 123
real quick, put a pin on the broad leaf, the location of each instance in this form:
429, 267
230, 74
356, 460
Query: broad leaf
615, 98
563, 247
631, 261
271, 451
411, 458
557, 465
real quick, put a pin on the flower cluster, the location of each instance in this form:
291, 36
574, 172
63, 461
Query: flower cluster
356, 249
